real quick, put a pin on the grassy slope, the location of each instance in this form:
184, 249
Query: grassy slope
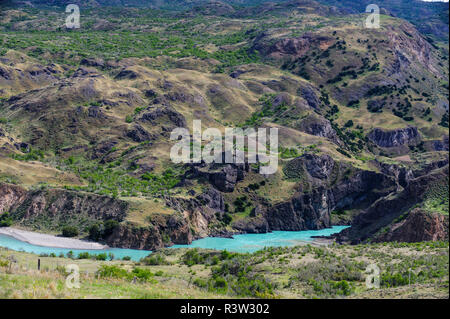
296, 272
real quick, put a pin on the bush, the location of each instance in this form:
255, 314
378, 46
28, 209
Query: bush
199, 282
70, 231
155, 259
113, 271
102, 256
349, 123
95, 232
142, 274
5, 220
109, 226
84, 255
220, 283
102, 230
192, 257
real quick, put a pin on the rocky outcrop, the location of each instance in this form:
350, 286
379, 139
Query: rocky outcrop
93, 62
10, 196
406, 136
165, 230
131, 236
418, 225
139, 134
383, 212
224, 177
254, 225
332, 185
191, 221
163, 112
103, 148
55, 208
318, 126
290, 48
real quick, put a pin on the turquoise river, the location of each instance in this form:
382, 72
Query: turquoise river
239, 243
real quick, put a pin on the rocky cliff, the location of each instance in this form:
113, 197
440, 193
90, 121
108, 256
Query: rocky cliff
382, 215
54, 208
418, 225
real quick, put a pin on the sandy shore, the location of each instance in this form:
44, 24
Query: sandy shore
49, 240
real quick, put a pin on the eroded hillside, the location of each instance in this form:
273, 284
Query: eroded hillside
86, 117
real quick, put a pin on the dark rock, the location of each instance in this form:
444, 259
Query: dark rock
385, 211
255, 225
281, 99
93, 62
126, 74
173, 116
212, 199
4, 73
310, 96
235, 74
96, 112
441, 145
418, 226
23, 147
85, 72
318, 166
139, 134
409, 136
103, 148
318, 126
150, 93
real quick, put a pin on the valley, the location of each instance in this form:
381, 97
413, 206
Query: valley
86, 117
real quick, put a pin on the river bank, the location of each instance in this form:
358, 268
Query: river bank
46, 240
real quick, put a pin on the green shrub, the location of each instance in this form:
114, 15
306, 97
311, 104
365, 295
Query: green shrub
84, 255
155, 259
5, 220
70, 231
95, 233
113, 271
142, 274
199, 282
102, 256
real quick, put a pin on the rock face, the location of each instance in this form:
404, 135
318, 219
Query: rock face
165, 230
224, 177
253, 225
58, 207
405, 136
289, 47
387, 209
190, 222
333, 186
10, 196
139, 134
318, 126
418, 226
173, 116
